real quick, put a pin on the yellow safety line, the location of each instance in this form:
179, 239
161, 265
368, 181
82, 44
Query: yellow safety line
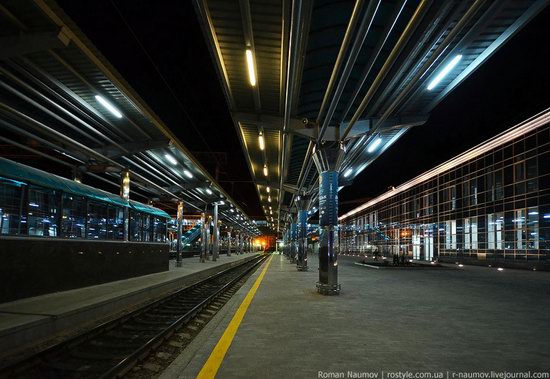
215, 360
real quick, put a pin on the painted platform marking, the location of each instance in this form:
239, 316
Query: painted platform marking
215, 360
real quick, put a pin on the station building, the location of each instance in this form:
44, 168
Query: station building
488, 206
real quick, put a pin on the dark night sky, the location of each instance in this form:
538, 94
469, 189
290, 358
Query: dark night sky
173, 72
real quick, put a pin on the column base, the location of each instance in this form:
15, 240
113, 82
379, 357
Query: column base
328, 290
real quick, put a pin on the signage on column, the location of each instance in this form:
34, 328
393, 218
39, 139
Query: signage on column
328, 198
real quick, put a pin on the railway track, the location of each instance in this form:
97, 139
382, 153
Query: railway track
110, 350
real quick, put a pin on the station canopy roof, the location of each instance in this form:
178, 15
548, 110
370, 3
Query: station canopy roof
62, 100
358, 74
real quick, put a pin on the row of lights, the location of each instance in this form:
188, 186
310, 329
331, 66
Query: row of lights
250, 61
170, 158
252, 79
261, 142
115, 112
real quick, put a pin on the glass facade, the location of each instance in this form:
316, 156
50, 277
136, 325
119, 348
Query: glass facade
491, 204
30, 210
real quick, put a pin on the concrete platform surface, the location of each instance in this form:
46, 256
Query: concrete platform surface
29, 320
384, 321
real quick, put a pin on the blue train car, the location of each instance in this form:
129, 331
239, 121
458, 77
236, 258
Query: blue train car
57, 234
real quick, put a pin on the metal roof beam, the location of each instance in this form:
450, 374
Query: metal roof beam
21, 44
131, 148
533, 10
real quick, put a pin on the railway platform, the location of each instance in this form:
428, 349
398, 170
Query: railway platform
43, 319
427, 320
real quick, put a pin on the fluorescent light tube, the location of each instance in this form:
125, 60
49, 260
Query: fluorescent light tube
171, 159
251, 68
444, 72
374, 145
108, 106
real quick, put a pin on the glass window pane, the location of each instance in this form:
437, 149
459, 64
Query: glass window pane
159, 229
147, 225
97, 221
115, 230
135, 226
11, 198
533, 227
473, 225
43, 214
73, 220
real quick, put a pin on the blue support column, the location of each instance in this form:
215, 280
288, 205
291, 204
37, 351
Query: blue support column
328, 160
328, 233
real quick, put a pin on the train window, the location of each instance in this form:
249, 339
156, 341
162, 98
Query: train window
115, 221
43, 208
97, 220
11, 198
135, 226
73, 221
159, 229
147, 226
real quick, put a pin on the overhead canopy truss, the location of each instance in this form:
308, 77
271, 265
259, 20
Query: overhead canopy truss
297, 73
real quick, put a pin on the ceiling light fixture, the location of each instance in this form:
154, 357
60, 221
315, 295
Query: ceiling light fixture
348, 172
261, 141
265, 170
188, 174
171, 159
251, 68
110, 107
374, 145
444, 72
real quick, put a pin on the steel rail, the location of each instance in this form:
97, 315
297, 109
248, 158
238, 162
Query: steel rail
122, 366
128, 362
